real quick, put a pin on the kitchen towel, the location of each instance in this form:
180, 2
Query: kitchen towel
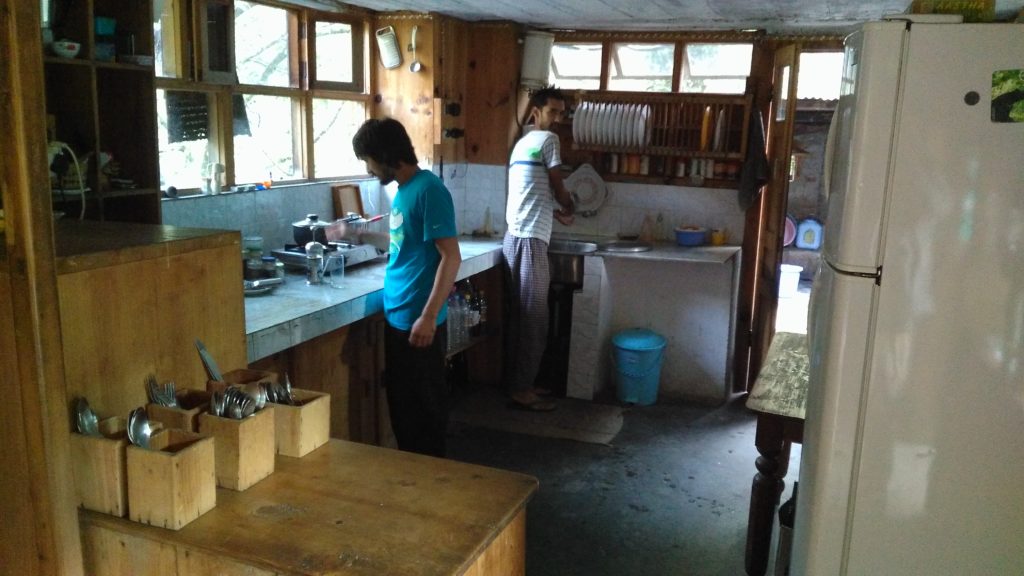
754, 173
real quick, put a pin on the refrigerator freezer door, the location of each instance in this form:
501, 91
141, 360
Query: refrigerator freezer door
839, 327
861, 149
938, 485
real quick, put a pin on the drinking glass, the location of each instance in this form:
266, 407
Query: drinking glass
334, 269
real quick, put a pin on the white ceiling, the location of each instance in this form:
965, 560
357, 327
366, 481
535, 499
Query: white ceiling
775, 16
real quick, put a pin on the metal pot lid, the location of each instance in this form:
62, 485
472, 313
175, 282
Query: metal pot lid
624, 246
311, 221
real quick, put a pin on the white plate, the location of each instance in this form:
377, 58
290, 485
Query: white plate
588, 190
615, 128
631, 125
645, 131
599, 124
621, 137
576, 123
592, 112
579, 121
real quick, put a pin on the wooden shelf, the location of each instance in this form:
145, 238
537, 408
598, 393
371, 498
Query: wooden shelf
126, 192
673, 181
465, 346
108, 107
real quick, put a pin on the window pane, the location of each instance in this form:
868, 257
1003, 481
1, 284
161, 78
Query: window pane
821, 74
217, 37
168, 54
576, 66
333, 52
716, 68
261, 44
334, 124
183, 132
642, 67
269, 150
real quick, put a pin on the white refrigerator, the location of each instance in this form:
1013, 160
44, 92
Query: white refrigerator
913, 455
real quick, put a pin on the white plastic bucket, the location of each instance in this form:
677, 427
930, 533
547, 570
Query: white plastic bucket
789, 280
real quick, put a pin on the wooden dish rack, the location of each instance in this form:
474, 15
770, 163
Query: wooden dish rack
677, 134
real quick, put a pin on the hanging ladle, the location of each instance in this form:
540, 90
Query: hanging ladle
416, 66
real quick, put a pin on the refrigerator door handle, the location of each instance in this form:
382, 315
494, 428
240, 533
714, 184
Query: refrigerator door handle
876, 275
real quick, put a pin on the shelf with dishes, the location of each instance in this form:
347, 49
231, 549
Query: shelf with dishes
685, 139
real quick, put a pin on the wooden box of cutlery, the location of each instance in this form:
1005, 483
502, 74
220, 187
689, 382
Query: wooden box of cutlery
99, 466
305, 426
185, 416
244, 448
172, 482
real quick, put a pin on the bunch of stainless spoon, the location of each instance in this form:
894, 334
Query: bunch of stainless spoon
233, 402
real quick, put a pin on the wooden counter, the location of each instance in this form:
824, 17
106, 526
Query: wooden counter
345, 508
133, 300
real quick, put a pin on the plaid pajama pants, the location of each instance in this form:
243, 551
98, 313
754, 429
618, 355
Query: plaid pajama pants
528, 280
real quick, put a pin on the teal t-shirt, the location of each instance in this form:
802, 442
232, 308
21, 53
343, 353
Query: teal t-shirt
421, 213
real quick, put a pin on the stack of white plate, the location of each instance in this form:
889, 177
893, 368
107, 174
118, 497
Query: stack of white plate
612, 124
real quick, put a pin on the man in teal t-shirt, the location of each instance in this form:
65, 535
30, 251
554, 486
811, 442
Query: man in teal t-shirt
424, 258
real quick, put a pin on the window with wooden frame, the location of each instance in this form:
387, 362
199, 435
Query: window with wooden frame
719, 68
233, 89
576, 66
645, 64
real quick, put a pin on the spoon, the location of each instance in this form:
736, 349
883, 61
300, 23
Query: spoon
416, 66
138, 428
86, 420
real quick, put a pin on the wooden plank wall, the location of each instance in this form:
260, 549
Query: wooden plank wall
450, 88
402, 94
492, 77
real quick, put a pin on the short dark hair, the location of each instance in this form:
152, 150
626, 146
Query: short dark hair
385, 141
539, 99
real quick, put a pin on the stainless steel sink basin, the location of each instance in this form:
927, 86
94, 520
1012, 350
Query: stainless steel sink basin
625, 246
565, 259
571, 247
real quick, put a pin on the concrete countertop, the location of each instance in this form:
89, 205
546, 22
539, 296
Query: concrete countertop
661, 251
296, 312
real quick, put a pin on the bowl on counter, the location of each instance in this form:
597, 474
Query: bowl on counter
66, 48
691, 236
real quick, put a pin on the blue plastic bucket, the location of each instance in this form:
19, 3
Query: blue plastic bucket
637, 359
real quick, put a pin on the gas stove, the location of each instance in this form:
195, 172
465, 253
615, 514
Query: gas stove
294, 256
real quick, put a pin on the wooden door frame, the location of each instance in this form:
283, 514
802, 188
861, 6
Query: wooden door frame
765, 219
37, 473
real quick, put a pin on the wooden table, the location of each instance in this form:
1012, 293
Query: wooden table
345, 508
779, 397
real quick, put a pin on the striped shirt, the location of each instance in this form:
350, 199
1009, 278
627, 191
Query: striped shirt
531, 205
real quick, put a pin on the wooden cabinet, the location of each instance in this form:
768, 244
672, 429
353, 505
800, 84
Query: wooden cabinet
684, 139
102, 105
133, 300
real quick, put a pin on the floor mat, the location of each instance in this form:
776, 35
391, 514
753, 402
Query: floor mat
579, 420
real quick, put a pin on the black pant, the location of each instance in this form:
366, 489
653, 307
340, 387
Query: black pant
416, 389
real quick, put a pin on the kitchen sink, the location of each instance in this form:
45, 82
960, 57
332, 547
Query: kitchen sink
565, 258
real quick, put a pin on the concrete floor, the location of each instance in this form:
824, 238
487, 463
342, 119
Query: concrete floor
670, 496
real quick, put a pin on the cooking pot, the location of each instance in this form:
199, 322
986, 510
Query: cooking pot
310, 230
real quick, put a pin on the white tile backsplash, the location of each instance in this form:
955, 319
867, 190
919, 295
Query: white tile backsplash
266, 213
483, 187
478, 190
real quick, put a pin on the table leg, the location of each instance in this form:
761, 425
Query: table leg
765, 491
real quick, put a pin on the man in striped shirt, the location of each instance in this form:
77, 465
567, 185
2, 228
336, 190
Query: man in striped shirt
534, 187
